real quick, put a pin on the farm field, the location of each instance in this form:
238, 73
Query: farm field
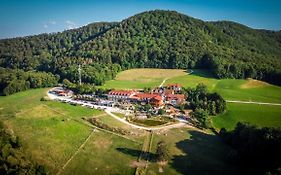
51, 132
101, 155
260, 115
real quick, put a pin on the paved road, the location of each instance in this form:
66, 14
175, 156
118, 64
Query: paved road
253, 102
109, 111
177, 125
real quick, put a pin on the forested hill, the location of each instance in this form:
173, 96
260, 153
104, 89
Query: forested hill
161, 39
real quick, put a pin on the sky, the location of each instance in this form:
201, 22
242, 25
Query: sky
29, 17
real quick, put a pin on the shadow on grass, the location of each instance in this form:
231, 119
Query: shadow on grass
203, 154
136, 153
201, 73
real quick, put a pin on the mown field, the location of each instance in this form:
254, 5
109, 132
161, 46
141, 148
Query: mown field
140, 78
230, 89
51, 132
260, 115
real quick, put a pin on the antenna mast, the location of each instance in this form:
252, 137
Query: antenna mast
79, 71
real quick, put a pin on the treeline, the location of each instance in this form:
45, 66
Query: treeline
255, 150
13, 160
14, 80
94, 73
204, 104
241, 70
158, 39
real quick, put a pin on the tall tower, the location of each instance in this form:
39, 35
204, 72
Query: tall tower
79, 71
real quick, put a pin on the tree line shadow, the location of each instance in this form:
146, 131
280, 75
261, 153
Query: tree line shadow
202, 154
136, 153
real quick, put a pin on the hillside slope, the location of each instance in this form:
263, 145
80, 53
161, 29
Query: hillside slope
160, 39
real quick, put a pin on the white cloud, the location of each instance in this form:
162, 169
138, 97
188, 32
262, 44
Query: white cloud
70, 24
49, 23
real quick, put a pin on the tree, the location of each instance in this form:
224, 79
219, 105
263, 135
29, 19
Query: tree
162, 152
201, 118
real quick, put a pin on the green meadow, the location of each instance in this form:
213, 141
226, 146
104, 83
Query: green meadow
260, 115
51, 132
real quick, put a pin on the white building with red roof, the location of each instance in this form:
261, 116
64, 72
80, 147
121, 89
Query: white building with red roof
120, 94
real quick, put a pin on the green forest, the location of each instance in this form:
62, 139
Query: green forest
155, 39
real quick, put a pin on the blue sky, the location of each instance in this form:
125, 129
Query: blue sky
29, 17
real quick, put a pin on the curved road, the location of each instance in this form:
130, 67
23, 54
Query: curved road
177, 125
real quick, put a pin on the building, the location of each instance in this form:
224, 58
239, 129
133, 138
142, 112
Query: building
175, 99
151, 98
62, 92
176, 87
120, 94
156, 101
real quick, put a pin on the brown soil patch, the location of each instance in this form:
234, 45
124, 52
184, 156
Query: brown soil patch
135, 164
251, 83
102, 143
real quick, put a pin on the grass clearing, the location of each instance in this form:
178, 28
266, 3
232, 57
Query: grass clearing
140, 78
230, 89
260, 115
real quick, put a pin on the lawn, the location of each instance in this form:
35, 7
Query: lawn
260, 115
192, 152
140, 78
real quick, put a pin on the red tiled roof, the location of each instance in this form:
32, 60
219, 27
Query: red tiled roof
121, 92
146, 95
157, 97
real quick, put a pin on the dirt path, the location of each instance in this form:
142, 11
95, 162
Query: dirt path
253, 102
190, 72
163, 82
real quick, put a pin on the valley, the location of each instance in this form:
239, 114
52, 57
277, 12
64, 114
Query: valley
56, 135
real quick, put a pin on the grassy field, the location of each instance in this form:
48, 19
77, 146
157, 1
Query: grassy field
230, 89
101, 156
260, 115
192, 152
51, 132
140, 78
